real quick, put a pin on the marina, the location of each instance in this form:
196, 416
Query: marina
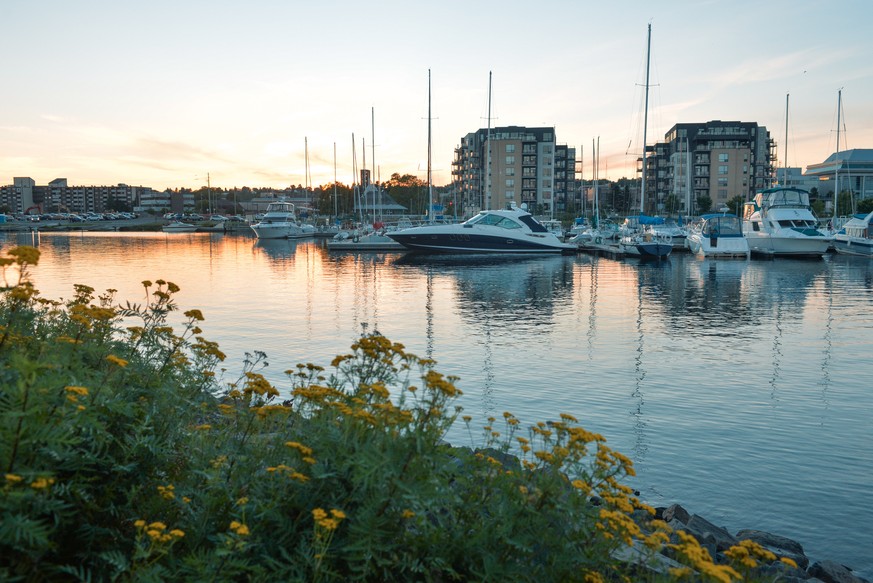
732, 385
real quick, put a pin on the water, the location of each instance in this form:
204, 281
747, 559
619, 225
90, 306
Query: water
740, 389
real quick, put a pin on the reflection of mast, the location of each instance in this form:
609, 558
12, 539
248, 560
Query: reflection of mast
592, 312
428, 308
777, 349
640, 447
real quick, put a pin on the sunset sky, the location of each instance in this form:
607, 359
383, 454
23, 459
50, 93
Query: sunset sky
164, 93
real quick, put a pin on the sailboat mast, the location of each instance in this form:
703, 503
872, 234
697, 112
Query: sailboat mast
645, 121
837, 159
306, 166
335, 203
373, 157
430, 210
785, 155
488, 169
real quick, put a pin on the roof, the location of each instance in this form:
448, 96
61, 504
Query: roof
857, 161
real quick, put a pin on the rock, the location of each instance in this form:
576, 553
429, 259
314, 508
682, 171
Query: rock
831, 572
676, 512
778, 545
707, 533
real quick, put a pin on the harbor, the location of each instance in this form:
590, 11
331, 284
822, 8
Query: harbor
697, 369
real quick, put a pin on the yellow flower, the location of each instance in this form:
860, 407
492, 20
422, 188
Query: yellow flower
81, 391
319, 514
338, 514
140, 523
177, 533
42, 483
408, 513
13, 478
116, 360
158, 526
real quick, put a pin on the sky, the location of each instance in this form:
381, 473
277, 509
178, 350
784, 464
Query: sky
182, 93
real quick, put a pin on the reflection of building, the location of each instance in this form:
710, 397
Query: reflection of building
716, 159
24, 194
520, 165
853, 170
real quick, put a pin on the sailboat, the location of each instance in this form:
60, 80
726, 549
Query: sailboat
640, 240
856, 235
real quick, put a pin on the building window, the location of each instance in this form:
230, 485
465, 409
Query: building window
509, 195
722, 169
723, 157
510, 148
510, 182
510, 160
510, 171
722, 181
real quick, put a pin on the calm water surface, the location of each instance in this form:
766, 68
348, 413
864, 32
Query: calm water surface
741, 389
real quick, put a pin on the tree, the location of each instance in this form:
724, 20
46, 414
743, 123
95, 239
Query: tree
671, 204
704, 203
736, 205
865, 206
844, 204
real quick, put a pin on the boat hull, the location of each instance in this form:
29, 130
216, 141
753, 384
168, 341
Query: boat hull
727, 247
479, 243
278, 231
776, 246
853, 246
647, 250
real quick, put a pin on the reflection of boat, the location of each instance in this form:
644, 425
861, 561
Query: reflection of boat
856, 236
718, 235
372, 241
779, 221
179, 227
511, 230
279, 222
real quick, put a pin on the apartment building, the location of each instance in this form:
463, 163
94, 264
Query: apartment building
716, 159
25, 195
494, 168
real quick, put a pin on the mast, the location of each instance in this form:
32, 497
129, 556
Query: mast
306, 165
373, 157
335, 207
785, 156
430, 210
645, 121
488, 163
837, 160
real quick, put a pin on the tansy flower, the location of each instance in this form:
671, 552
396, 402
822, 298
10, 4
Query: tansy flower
116, 360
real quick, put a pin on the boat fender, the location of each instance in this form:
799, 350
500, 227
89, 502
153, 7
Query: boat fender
598, 240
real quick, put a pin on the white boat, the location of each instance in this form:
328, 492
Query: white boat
856, 236
554, 226
718, 235
779, 222
510, 230
179, 227
279, 222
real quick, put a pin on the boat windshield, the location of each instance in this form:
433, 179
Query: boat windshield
494, 220
722, 226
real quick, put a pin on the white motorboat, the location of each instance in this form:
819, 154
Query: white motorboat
856, 236
510, 230
718, 235
280, 222
779, 222
179, 227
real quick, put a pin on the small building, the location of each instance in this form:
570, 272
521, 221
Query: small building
848, 170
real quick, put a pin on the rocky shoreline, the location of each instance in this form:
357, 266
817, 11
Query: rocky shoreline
717, 540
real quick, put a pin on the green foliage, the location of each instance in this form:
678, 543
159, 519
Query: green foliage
704, 204
126, 458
